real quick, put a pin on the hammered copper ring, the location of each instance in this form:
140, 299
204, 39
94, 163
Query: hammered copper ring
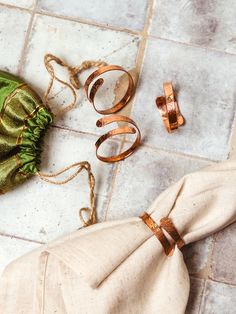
169, 108
118, 131
167, 224
98, 83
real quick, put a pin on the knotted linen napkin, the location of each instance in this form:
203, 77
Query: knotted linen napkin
120, 266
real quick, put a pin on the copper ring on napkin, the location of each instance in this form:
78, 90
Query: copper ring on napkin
166, 224
118, 131
169, 108
98, 83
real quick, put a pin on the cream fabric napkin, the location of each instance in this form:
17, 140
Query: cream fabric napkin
120, 266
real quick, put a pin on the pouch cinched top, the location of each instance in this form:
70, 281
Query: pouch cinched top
23, 122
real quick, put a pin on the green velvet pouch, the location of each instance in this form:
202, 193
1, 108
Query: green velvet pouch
23, 122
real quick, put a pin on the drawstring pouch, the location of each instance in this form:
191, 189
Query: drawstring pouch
24, 120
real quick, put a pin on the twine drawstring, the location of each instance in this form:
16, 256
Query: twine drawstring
73, 78
84, 165
73, 85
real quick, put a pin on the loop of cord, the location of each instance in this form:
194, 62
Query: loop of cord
73, 78
72, 85
91, 211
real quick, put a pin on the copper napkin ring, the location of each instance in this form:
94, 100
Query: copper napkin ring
169, 108
118, 131
91, 93
98, 83
166, 224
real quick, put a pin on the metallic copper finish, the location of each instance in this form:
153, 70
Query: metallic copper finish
169, 227
169, 108
147, 219
118, 131
167, 224
98, 83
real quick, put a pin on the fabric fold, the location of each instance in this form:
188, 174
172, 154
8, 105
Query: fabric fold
120, 266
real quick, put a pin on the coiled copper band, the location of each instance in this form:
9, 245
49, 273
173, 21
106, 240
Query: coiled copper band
118, 131
166, 224
169, 108
99, 82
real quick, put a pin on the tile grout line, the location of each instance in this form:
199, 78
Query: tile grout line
232, 137
193, 45
110, 27
10, 6
139, 62
222, 282
80, 20
27, 36
158, 149
76, 20
109, 195
6, 235
210, 256
202, 297
178, 153
204, 274
209, 277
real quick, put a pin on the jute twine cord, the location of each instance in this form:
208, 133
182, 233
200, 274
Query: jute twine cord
84, 165
73, 78
91, 211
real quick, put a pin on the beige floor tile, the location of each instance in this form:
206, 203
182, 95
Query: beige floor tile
205, 94
219, 299
223, 266
206, 23
195, 296
143, 176
123, 14
41, 211
75, 43
28, 4
196, 256
63, 147
178, 50
13, 27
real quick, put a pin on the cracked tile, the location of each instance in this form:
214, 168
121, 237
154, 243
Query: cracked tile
205, 94
13, 27
223, 266
152, 170
75, 42
208, 23
12, 248
219, 298
41, 211
123, 14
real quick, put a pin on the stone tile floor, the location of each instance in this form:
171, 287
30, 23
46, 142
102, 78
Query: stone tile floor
192, 43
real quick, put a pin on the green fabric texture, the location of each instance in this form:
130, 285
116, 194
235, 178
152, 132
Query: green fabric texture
23, 122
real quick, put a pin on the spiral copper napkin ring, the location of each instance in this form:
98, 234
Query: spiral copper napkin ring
118, 131
166, 224
169, 108
91, 93
99, 82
